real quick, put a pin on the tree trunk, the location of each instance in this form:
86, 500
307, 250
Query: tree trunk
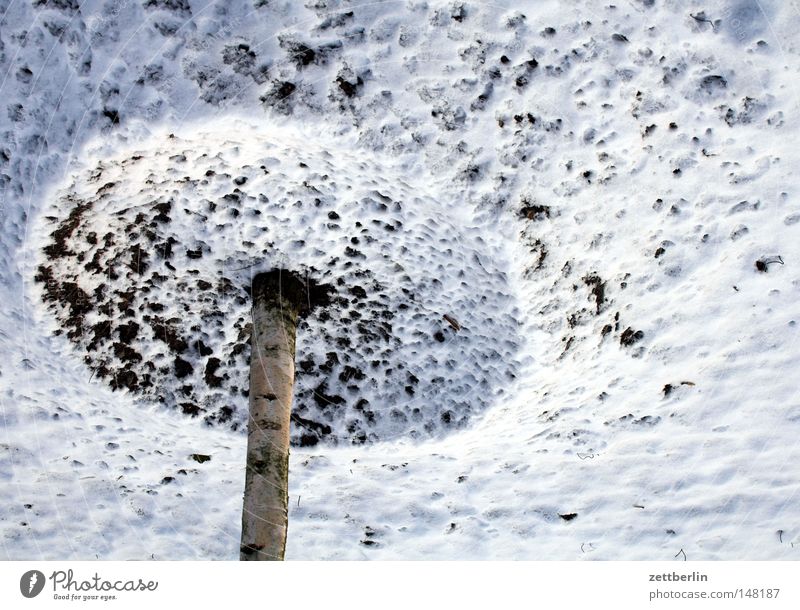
278, 299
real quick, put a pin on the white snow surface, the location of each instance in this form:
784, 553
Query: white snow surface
618, 169
162, 247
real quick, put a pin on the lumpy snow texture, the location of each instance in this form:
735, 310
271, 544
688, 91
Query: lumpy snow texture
151, 255
630, 167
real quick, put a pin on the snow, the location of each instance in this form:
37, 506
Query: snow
161, 244
621, 359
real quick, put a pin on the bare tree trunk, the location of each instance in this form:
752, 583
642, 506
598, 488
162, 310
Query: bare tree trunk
277, 302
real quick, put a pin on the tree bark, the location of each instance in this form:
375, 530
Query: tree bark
278, 299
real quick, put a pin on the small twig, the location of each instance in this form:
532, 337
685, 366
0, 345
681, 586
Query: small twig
701, 18
245, 267
679, 552
452, 321
203, 216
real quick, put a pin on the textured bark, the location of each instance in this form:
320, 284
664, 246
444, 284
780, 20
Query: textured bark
278, 299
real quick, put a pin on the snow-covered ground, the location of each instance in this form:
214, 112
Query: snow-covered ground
603, 196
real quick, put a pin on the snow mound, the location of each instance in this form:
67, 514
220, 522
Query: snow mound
151, 251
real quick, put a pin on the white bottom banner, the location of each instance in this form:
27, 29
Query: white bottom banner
199, 585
